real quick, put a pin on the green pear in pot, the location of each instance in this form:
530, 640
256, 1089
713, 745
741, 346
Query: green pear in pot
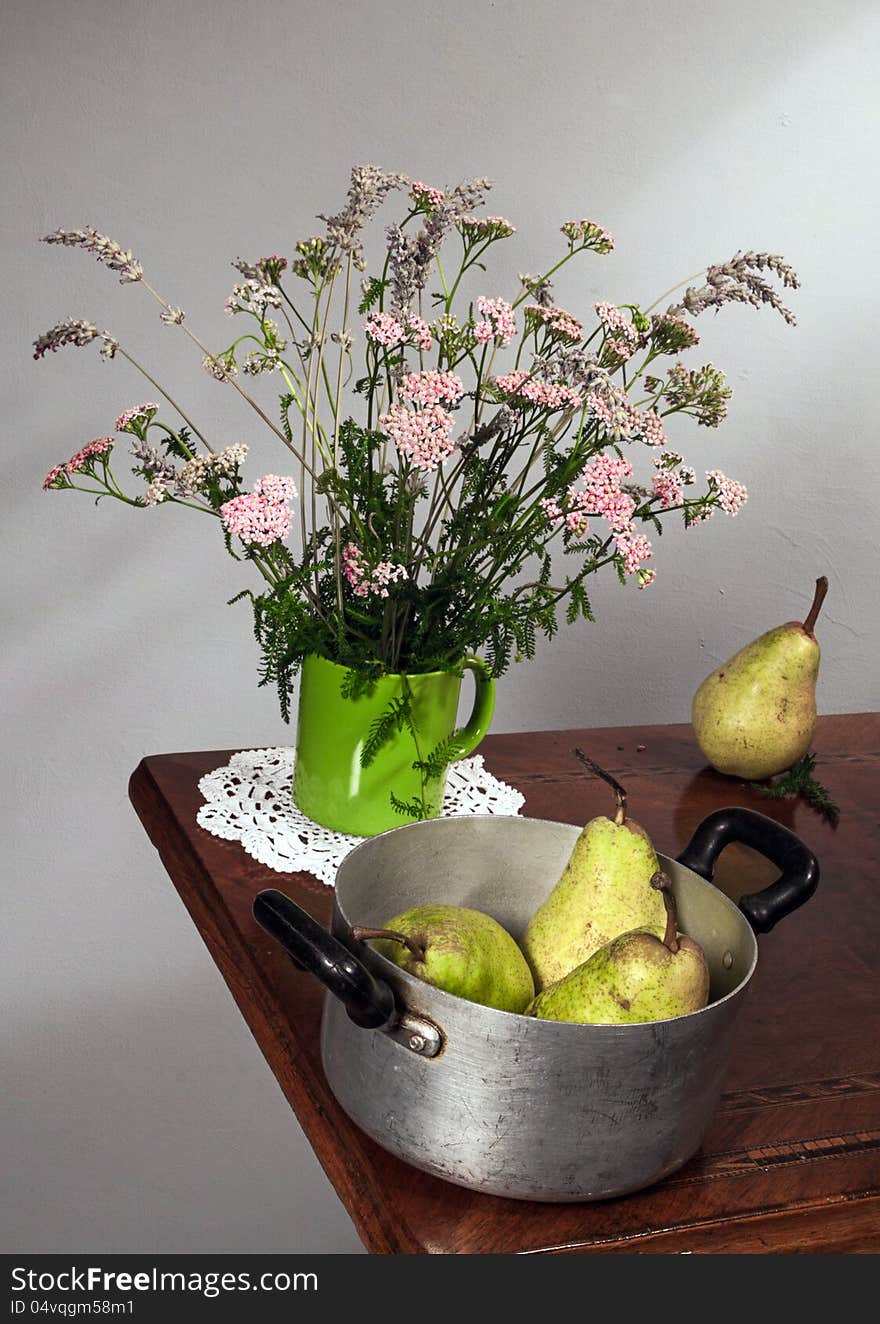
637, 977
756, 714
459, 950
603, 892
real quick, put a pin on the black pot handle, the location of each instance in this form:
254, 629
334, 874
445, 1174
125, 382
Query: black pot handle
368, 1001
800, 869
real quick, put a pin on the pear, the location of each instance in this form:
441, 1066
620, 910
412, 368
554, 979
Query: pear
603, 891
636, 977
461, 951
755, 716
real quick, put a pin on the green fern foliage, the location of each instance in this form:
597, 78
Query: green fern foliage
396, 717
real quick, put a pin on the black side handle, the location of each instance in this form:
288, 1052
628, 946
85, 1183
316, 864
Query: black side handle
368, 1001
800, 869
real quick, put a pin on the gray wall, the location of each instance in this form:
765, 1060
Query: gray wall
143, 1117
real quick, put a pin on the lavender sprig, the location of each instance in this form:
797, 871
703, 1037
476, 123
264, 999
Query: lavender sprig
105, 249
74, 331
153, 464
368, 189
411, 256
538, 288
736, 281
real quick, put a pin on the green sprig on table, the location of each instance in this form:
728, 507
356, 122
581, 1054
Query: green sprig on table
799, 780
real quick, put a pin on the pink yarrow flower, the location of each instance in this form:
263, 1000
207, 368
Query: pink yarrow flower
601, 494
652, 428
622, 421
634, 548
420, 332
136, 417
383, 329
423, 195
79, 461
671, 334
498, 321
52, 476
611, 408
388, 331
431, 388
425, 438
732, 496
557, 321
365, 582
666, 459
623, 339
486, 227
385, 573
552, 509
261, 516
602, 490
355, 570
550, 395
574, 519
100, 446
667, 487
279, 491
589, 233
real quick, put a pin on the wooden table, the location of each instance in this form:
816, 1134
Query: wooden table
792, 1159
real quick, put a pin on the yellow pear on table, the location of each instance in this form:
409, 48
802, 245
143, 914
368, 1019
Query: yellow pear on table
604, 891
756, 714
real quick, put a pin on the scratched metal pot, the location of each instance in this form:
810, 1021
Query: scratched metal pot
508, 1104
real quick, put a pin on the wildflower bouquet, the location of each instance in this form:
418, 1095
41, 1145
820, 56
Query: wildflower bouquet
459, 463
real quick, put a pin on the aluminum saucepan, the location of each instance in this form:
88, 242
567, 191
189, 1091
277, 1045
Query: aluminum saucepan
508, 1104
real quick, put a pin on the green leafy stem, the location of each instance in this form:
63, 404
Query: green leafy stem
799, 780
397, 717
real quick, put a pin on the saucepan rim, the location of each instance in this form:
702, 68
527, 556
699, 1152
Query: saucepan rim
396, 975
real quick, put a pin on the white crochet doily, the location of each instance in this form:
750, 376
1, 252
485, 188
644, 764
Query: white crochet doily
250, 801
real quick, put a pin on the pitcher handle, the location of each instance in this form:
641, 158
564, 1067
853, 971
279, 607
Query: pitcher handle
469, 736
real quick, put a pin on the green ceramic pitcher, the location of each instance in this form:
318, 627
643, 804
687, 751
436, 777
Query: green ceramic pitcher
336, 785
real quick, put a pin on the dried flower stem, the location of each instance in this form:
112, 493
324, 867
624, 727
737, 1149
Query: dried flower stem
316, 357
231, 380
337, 410
677, 286
173, 403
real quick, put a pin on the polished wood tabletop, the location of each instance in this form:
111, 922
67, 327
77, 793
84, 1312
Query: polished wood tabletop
791, 1161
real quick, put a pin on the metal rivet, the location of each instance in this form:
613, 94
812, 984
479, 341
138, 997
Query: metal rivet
417, 1042
727, 960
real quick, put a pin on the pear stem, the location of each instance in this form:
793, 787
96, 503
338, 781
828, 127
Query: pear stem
619, 792
392, 935
818, 599
663, 884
